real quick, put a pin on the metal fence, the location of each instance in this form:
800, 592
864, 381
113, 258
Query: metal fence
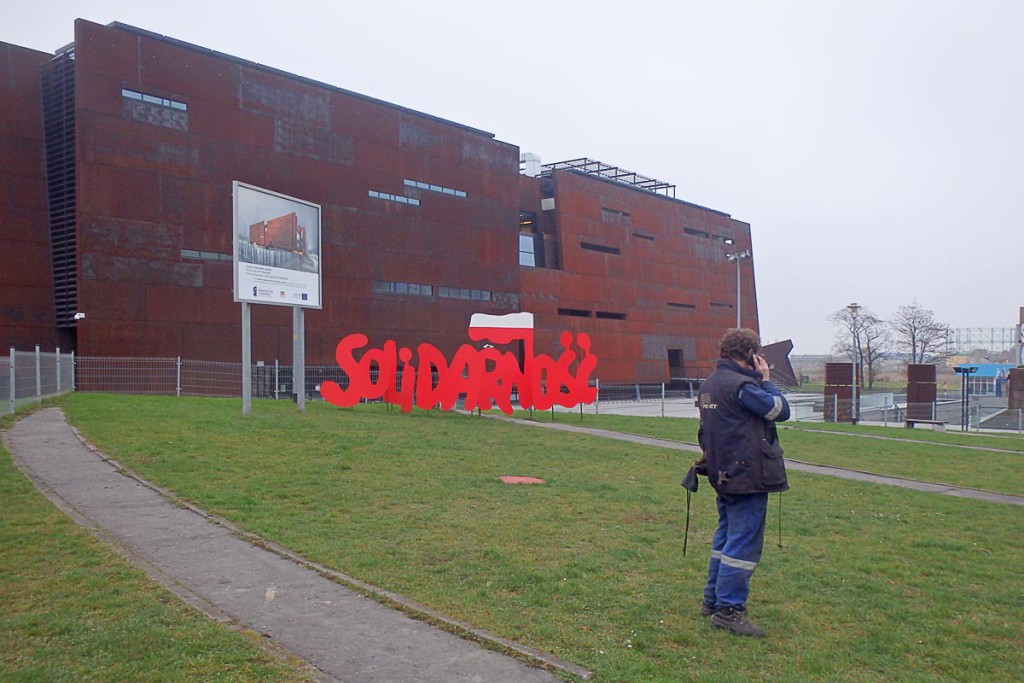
27, 377
30, 376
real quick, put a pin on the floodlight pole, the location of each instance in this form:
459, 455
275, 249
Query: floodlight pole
853, 308
738, 256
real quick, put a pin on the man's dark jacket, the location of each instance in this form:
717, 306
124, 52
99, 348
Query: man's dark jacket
741, 449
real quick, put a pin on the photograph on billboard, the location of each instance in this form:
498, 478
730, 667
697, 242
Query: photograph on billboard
276, 248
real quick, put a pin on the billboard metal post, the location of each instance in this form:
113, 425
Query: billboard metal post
299, 357
246, 360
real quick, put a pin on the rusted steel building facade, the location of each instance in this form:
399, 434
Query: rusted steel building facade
116, 171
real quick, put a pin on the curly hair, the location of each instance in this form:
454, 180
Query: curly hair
738, 343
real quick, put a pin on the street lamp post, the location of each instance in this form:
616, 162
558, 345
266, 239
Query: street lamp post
853, 308
738, 256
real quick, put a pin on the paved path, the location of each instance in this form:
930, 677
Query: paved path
348, 637
796, 465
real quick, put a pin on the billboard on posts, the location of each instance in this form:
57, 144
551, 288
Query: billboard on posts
276, 248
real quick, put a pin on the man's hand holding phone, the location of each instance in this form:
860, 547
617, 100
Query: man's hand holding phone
760, 364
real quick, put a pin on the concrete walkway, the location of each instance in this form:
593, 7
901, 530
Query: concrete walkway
346, 636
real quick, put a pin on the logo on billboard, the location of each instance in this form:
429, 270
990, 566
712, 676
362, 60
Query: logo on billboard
486, 376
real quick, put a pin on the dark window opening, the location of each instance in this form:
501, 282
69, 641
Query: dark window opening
574, 312
608, 315
643, 236
590, 246
716, 304
679, 305
696, 233
675, 363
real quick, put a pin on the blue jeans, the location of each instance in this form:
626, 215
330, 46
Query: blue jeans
735, 550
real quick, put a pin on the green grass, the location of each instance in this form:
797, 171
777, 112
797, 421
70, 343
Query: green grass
71, 609
874, 583
904, 453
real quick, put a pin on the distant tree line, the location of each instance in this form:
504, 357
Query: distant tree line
866, 339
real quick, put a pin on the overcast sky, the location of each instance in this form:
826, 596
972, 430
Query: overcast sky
876, 147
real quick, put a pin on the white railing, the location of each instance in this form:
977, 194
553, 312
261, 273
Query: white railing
30, 376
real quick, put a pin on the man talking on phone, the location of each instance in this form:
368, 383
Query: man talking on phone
739, 407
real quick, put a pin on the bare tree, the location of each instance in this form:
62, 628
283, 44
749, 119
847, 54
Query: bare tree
864, 338
918, 333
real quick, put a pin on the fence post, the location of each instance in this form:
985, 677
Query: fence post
73, 369
277, 382
13, 375
663, 399
58, 371
636, 387
177, 378
597, 401
835, 408
39, 378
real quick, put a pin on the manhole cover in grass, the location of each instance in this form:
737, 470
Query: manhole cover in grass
520, 480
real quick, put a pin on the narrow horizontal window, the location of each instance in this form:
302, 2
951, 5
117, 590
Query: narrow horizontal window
153, 99
464, 293
393, 197
590, 246
433, 188
696, 233
205, 255
717, 304
673, 304
386, 287
643, 236
608, 315
574, 312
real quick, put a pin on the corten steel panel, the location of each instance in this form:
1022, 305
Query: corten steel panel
250, 124
1016, 389
26, 286
837, 393
921, 392
122, 300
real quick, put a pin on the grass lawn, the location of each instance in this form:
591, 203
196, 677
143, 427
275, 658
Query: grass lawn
71, 609
838, 445
874, 583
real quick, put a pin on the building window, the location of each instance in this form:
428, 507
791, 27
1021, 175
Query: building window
678, 305
414, 289
153, 99
393, 197
574, 312
643, 236
608, 315
434, 188
206, 255
696, 233
531, 243
590, 246
527, 250
718, 304
464, 293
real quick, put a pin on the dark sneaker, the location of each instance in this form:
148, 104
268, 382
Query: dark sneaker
732, 620
706, 610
